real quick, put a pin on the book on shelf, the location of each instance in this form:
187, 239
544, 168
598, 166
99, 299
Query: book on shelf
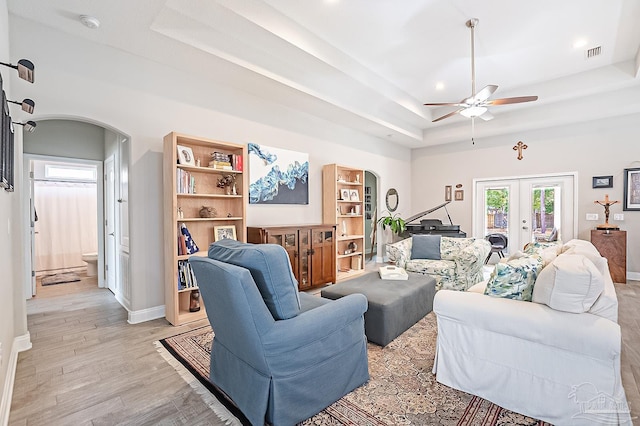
236, 162
186, 277
220, 165
185, 182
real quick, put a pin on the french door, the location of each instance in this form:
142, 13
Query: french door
526, 209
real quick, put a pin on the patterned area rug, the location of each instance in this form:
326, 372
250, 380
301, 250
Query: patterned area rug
402, 390
65, 277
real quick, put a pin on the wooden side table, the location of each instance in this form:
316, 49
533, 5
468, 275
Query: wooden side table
613, 246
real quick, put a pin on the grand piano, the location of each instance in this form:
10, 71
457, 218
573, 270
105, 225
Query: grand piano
433, 226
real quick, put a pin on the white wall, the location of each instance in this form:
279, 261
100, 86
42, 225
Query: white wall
13, 327
146, 101
66, 138
598, 148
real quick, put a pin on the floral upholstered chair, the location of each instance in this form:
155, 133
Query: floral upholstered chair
457, 266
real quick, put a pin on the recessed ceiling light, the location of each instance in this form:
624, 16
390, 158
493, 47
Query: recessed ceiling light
439, 85
580, 43
90, 21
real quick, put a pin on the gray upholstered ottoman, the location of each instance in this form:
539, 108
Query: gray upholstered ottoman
394, 306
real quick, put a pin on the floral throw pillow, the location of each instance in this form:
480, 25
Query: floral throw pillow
514, 279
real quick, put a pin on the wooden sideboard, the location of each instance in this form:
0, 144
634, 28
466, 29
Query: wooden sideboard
311, 249
613, 246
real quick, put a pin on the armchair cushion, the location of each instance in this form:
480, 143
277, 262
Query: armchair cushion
425, 247
270, 268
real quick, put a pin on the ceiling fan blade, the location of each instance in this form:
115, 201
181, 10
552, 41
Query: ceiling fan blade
486, 116
448, 115
484, 94
445, 104
515, 100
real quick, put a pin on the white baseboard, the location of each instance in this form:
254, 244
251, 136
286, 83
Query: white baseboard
635, 276
136, 317
20, 343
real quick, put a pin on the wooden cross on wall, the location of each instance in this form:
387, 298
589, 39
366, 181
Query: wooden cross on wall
519, 147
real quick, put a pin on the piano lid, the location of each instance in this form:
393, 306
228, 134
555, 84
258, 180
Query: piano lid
426, 212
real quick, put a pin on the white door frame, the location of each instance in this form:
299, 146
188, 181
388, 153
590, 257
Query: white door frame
110, 228
478, 227
26, 199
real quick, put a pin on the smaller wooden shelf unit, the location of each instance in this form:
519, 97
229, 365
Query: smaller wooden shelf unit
343, 204
613, 246
182, 204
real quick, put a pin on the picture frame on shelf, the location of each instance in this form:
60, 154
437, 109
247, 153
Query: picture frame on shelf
602, 182
224, 232
185, 156
353, 195
631, 189
344, 194
447, 192
459, 194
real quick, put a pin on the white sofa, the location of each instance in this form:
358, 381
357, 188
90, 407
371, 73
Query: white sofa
554, 365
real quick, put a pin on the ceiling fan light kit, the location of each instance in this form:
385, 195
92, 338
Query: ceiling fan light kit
477, 104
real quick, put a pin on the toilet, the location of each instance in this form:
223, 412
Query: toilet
92, 263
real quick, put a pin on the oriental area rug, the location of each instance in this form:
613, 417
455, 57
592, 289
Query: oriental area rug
401, 391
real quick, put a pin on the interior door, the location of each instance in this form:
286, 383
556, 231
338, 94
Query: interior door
110, 224
525, 209
32, 229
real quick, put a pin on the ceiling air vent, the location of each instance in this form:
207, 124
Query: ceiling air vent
593, 52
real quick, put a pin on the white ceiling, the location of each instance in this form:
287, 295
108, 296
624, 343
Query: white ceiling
371, 64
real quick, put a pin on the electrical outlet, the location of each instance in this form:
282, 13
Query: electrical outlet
592, 216
618, 216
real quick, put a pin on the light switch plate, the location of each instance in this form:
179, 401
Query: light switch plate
618, 216
592, 216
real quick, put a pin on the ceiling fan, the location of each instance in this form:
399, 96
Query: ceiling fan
476, 105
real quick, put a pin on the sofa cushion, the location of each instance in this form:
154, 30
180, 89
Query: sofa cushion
514, 279
571, 283
425, 247
270, 268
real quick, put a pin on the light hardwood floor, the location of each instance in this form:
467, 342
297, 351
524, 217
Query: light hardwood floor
89, 367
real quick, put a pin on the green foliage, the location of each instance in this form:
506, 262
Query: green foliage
548, 200
394, 222
498, 199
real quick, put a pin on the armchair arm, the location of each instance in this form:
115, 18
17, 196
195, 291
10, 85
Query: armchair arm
469, 261
323, 335
400, 252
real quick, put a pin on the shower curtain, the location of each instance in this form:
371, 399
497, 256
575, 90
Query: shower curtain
66, 226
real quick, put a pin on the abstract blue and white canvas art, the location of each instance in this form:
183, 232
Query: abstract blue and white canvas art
277, 176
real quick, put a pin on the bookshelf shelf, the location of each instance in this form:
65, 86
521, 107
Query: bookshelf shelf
231, 210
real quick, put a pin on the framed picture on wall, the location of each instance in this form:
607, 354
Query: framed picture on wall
631, 189
447, 193
602, 182
459, 194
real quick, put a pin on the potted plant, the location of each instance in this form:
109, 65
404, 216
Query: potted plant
394, 222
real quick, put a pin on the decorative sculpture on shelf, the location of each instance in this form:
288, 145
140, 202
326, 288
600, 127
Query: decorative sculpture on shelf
606, 203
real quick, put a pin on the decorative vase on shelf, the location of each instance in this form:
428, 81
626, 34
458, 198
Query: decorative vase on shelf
227, 189
233, 189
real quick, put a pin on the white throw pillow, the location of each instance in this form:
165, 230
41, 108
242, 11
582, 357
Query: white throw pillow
571, 283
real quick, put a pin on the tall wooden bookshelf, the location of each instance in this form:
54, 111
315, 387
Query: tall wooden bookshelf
187, 189
343, 204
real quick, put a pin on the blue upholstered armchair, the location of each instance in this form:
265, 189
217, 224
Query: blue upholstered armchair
280, 355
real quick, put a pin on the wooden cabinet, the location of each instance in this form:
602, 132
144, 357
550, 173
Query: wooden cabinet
188, 189
343, 204
613, 246
311, 250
